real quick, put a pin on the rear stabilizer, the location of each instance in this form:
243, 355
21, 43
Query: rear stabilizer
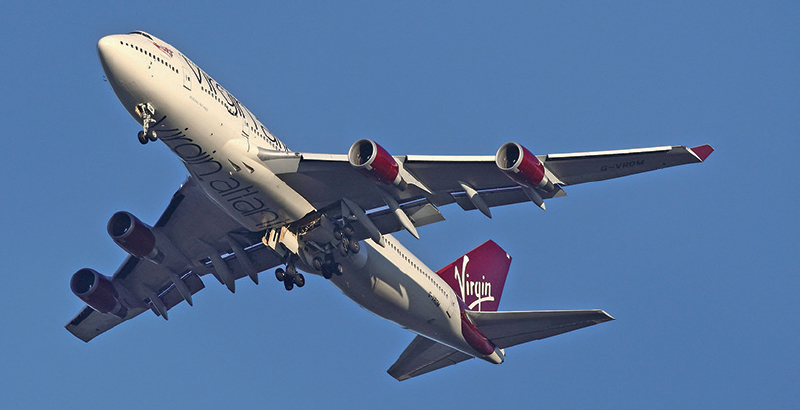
504, 329
479, 276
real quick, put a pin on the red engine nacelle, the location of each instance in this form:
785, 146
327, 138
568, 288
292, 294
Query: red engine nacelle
97, 291
376, 163
134, 236
522, 166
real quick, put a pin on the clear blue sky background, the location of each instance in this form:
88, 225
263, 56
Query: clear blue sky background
699, 264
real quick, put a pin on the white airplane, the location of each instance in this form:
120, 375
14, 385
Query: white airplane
250, 204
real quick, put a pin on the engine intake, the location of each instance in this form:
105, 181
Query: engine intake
522, 166
97, 291
134, 236
376, 163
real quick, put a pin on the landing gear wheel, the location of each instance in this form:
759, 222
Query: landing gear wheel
337, 233
348, 231
317, 263
280, 274
288, 284
337, 269
327, 273
142, 138
342, 248
151, 135
354, 247
299, 280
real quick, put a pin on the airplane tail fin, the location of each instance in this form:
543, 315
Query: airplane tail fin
478, 277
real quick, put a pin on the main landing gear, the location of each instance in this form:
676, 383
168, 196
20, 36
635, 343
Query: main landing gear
145, 111
346, 245
290, 277
318, 249
328, 266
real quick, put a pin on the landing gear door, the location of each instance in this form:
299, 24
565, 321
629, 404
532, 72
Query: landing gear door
187, 79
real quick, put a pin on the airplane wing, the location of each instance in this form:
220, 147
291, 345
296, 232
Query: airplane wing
436, 180
196, 229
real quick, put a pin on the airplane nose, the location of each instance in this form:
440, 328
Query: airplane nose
116, 65
105, 48
111, 51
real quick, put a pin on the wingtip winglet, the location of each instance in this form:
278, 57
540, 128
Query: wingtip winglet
702, 152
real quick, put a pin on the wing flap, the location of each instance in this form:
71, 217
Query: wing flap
424, 355
503, 196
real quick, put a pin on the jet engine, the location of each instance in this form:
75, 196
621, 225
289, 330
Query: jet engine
134, 236
376, 163
97, 291
522, 166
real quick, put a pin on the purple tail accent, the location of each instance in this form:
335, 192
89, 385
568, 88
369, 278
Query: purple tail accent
479, 276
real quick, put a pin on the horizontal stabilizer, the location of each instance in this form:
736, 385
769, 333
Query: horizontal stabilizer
424, 355
506, 329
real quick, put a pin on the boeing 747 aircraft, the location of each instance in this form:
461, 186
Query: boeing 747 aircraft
250, 204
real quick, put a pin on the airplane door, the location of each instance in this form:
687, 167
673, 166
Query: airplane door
246, 130
187, 79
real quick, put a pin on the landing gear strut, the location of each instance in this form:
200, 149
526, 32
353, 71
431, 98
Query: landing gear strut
145, 111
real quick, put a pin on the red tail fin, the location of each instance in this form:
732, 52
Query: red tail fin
479, 276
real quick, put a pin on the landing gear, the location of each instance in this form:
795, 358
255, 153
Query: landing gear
329, 271
343, 246
315, 243
145, 138
354, 247
290, 277
347, 244
145, 111
328, 267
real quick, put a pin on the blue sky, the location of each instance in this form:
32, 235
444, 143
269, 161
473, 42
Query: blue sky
698, 263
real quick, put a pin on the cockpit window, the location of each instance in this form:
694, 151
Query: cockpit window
142, 33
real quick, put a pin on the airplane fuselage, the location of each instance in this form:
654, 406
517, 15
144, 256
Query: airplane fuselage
218, 140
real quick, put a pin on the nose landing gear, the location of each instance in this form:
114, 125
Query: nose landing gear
145, 111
